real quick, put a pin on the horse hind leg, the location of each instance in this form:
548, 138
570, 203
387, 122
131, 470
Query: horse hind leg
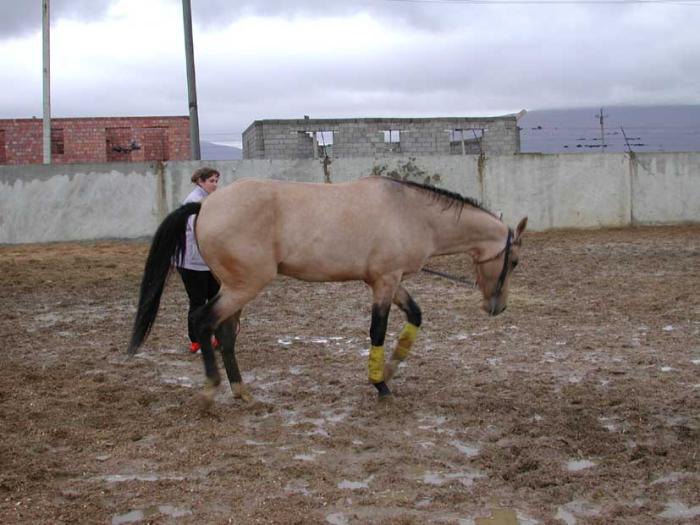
218, 315
204, 322
227, 333
408, 334
227, 311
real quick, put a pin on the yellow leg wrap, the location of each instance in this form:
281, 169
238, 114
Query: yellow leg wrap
406, 339
376, 364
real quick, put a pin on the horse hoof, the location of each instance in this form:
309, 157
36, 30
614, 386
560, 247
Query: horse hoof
205, 401
241, 392
385, 398
382, 390
390, 370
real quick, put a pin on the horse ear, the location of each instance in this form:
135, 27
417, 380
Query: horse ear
520, 229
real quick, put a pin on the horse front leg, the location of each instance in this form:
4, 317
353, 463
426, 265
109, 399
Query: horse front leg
409, 333
383, 291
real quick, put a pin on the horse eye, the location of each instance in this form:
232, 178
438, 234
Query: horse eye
515, 263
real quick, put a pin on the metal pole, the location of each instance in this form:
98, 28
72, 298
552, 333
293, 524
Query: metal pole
47, 81
191, 82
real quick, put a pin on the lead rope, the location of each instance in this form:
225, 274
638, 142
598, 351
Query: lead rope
461, 280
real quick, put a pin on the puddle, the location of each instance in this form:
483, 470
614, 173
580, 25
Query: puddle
672, 477
608, 424
355, 485
337, 518
120, 478
581, 508
183, 381
149, 513
465, 478
577, 465
467, 450
257, 443
678, 510
329, 418
309, 457
434, 421
289, 340
500, 517
298, 486
129, 517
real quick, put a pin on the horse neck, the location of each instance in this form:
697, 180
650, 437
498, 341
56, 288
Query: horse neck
474, 231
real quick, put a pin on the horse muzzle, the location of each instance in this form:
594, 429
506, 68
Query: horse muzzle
493, 307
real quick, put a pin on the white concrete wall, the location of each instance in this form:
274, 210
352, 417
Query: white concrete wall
128, 200
665, 188
560, 191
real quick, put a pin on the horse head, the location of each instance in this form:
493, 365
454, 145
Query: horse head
493, 273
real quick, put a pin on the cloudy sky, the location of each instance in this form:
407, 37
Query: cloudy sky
331, 58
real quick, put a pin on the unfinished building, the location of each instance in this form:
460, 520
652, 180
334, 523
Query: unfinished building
380, 137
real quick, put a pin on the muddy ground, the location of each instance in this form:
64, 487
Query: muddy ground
579, 404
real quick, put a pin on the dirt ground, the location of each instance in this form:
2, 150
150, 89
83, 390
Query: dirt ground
579, 404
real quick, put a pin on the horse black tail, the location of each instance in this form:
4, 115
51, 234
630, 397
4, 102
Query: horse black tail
168, 244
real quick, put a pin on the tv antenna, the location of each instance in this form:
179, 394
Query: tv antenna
601, 118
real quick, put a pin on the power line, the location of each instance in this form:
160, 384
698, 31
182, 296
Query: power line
691, 3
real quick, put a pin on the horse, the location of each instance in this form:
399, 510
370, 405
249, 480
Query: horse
376, 229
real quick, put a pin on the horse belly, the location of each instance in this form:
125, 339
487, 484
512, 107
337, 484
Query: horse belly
325, 261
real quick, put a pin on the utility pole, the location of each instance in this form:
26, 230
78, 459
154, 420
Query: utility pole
601, 118
195, 152
46, 22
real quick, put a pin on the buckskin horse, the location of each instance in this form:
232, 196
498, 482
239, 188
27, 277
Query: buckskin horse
376, 229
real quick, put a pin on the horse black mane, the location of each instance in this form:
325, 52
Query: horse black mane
449, 198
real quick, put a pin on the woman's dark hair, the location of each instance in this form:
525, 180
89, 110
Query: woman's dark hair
203, 174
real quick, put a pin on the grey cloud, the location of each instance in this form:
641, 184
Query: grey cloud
216, 12
24, 16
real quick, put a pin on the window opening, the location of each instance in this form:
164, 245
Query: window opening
466, 141
392, 139
118, 142
57, 142
392, 136
3, 151
322, 142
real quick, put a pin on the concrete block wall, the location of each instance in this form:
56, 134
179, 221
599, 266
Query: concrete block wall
128, 200
353, 138
94, 139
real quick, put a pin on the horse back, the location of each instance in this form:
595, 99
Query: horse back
320, 232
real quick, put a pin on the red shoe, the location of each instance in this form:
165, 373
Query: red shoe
214, 341
194, 347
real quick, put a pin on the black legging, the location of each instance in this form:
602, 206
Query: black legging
201, 287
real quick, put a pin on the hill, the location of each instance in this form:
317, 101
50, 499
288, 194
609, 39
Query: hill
212, 151
652, 128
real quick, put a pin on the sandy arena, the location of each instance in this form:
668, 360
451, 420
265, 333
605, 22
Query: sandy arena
580, 404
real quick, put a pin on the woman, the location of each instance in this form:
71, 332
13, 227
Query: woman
200, 284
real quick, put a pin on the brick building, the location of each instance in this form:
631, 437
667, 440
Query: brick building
379, 137
96, 139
